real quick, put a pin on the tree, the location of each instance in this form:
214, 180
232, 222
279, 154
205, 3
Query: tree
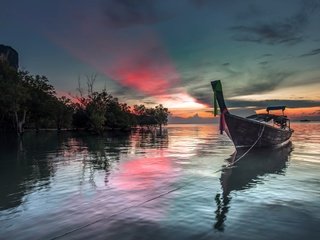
101, 110
14, 97
79, 117
151, 116
119, 115
96, 109
42, 100
25, 99
90, 108
161, 116
140, 112
62, 112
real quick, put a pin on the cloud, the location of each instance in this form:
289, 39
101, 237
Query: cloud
211, 3
124, 92
268, 33
311, 53
195, 119
262, 83
266, 55
263, 56
274, 102
251, 11
126, 13
201, 3
287, 31
265, 81
140, 62
316, 112
203, 93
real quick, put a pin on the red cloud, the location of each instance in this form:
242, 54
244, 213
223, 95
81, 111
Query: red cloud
137, 60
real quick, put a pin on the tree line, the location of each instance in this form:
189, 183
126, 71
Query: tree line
30, 101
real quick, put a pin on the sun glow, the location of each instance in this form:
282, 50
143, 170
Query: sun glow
181, 101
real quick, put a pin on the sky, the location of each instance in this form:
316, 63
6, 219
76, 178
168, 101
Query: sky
163, 51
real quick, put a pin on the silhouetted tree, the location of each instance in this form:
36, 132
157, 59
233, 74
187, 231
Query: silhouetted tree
40, 105
14, 98
63, 112
161, 116
157, 116
29, 100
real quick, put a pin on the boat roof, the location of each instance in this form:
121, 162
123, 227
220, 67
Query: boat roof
262, 117
276, 108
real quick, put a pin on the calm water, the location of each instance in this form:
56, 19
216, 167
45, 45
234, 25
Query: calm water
146, 186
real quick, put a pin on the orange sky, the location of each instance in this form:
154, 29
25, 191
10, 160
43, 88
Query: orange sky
207, 112
298, 112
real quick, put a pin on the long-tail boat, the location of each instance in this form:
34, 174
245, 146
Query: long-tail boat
258, 130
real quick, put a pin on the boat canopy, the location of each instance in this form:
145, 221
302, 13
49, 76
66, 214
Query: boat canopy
262, 117
276, 108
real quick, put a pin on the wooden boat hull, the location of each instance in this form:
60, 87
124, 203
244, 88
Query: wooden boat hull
245, 132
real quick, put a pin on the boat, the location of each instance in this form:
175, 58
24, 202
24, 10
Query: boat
258, 130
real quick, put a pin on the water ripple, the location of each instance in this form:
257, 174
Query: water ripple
143, 185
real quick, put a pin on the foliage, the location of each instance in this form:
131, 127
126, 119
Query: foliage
14, 98
62, 112
96, 108
30, 101
151, 116
161, 115
41, 103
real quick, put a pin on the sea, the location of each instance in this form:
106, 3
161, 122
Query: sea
178, 184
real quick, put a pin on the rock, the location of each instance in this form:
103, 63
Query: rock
9, 55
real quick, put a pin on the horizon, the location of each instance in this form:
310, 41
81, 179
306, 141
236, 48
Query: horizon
160, 52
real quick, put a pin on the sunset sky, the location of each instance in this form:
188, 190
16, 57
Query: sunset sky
164, 51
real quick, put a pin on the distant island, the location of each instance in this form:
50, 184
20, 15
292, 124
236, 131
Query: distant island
30, 102
305, 120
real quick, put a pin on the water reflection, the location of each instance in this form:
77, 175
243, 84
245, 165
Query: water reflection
145, 186
22, 169
248, 172
150, 139
30, 164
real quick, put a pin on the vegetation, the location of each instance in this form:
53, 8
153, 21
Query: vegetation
157, 116
29, 101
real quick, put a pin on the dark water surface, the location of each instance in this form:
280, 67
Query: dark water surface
146, 186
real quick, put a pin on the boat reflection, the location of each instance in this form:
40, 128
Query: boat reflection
248, 172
